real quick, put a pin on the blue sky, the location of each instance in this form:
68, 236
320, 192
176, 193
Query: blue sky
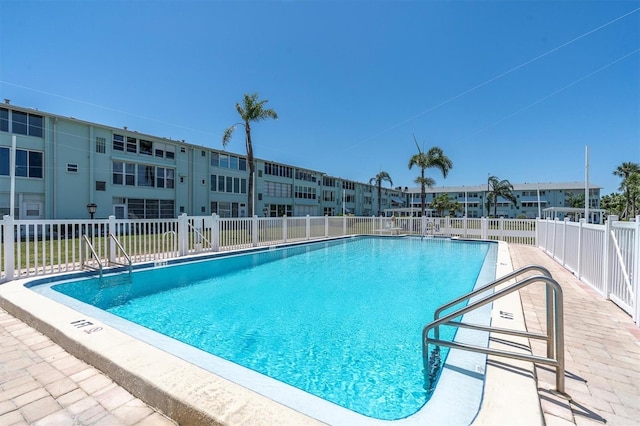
516, 89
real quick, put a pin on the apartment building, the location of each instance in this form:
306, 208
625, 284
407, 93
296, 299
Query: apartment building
63, 165
531, 199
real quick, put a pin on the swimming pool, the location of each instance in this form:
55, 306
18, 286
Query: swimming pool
362, 353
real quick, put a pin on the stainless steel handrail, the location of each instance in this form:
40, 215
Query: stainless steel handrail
84, 265
502, 280
557, 330
112, 262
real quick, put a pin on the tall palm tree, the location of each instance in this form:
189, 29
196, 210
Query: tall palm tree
377, 180
251, 110
625, 170
498, 188
434, 158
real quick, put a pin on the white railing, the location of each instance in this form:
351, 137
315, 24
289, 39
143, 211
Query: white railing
606, 257
31, 248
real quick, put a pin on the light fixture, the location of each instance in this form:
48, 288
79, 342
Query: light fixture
91, 208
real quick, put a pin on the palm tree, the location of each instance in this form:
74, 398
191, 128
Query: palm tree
250, 111
625, 170
442, 204
434, 158
377, 180
498, 188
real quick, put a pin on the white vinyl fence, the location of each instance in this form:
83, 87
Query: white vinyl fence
33, 248
606, 257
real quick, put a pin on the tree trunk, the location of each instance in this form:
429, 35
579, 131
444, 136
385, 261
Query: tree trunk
252, 167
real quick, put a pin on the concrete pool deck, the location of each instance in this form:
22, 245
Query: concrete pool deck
39, 380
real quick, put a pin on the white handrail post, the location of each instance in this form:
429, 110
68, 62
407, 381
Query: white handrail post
112, 242
183, 235
254, 230
8, 249
285, 229
344, 224
636, 269
215, 230
464, 226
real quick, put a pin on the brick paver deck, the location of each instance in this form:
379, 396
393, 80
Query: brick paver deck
602, 351
41, 384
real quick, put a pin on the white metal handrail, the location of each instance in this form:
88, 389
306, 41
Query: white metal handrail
87, 243
557, 332
124, 253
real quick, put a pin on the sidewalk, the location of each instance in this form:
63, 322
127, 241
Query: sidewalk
602, 351
41, 384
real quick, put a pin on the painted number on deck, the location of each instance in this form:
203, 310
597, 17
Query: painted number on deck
82, 323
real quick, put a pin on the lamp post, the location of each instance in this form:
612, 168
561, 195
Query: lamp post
91, 208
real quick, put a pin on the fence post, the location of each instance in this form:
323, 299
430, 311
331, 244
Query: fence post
308, 227
254, 230
183, 235
501, 229
215, 232
326, 226
580, 232
484, 228
8, 249
285, 230
112, 242
636, 269
464, 227
564, 240
606, 266
344, 224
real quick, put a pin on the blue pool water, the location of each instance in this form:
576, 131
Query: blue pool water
340, 320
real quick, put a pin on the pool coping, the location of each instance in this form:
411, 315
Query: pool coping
190, 394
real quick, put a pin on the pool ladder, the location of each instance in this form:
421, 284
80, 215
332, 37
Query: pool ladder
87, 245
554, 331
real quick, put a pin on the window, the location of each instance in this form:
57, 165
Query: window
132, 144
4, 161
146, 147
118, 142
124, 173
278, 170
4, 120
225, 208
170, 152
228, 184
305, 192
19, 122
279, 210
72, 168
28, 163
277, 189
139, 208
165, 177
101, 185
35, 125
146, 175
101, 145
